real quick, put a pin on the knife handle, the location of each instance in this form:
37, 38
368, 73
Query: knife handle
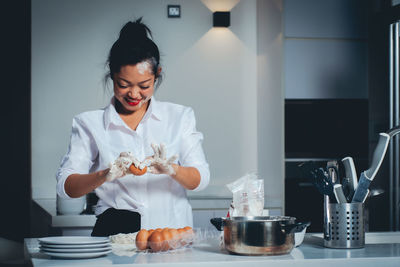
338, 191
350, 171
362, 189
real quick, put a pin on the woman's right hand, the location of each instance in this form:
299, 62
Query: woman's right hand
103, 173
78, 185
120, 167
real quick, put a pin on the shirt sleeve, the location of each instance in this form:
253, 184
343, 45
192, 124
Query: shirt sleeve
191, 151
80, 156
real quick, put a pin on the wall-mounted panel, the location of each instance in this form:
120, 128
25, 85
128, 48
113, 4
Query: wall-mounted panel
325, 19
325, 69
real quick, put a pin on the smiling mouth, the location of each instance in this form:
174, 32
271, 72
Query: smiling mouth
132, 102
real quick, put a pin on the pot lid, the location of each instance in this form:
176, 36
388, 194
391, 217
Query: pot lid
262, 218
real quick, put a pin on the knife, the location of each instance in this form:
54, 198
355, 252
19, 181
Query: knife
367, 176
366, 195
347, 189
351, 173
339, 195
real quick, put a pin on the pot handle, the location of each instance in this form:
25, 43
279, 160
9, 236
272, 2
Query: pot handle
218, 223
295, 228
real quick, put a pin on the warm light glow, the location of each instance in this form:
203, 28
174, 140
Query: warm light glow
219, 38
217, 34
220, 5
218, 43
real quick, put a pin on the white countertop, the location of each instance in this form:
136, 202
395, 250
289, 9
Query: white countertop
381, 249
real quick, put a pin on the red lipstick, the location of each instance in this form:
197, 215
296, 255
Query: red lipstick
133, 103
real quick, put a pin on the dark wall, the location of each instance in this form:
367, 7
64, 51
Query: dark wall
15, 188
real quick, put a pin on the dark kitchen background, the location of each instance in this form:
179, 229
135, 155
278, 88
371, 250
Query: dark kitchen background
343, 105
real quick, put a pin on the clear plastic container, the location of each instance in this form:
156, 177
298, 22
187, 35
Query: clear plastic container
178, 241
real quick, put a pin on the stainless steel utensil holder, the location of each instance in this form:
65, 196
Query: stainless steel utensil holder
344, 225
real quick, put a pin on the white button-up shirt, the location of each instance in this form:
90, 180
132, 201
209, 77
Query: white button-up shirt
97, 139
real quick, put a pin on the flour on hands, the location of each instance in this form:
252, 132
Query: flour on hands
120, 167
158, 163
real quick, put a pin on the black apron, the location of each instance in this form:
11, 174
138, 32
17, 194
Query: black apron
113, 221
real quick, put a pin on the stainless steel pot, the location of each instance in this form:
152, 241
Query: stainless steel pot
263, 235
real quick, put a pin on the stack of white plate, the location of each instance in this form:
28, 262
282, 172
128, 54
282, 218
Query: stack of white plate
77, 247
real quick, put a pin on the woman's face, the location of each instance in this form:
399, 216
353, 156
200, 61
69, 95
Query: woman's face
133, 86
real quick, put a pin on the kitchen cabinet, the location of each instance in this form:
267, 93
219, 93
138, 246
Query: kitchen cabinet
381, 249
325, 49
325, 69
326, 19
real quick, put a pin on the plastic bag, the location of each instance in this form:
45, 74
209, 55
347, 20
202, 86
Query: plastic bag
247, 196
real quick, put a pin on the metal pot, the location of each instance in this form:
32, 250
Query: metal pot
261, 235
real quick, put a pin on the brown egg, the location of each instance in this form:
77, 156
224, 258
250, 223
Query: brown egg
136, 171
188, 229
181, 232
174, 232
188, 234
182, 236
166, 234
151, 231
174, 243
141, 239
156, 241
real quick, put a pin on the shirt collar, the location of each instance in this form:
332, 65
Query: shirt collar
111, 114
153, 110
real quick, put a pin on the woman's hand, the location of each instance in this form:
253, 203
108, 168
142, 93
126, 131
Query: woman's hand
120, 167
158, 163
188, 177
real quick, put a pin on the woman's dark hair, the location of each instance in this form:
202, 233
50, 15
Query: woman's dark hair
133, 46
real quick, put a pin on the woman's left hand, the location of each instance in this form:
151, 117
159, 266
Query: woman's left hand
158, 163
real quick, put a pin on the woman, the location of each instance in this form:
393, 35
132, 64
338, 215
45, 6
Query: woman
135, 128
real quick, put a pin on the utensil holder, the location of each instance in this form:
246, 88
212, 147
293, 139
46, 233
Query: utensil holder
344, 225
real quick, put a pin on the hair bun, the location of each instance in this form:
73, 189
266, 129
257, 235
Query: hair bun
134, 31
